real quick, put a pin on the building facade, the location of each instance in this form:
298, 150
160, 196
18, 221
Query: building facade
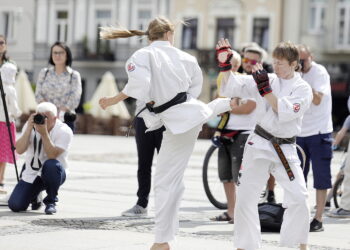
33, 25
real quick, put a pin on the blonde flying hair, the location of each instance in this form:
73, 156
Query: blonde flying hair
156, 30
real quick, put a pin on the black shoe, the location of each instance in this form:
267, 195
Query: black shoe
36, 205
316, 226
271, 197
50, 209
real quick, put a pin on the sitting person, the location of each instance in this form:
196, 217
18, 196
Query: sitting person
46, 141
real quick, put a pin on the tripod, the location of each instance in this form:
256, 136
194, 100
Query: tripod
13, 148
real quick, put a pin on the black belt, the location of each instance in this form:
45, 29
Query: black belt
276, 142
179, 98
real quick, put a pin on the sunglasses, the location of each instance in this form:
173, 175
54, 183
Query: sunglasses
2, 42
247, 60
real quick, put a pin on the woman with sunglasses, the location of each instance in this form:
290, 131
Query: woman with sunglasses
60, 84
8, 71
282, 99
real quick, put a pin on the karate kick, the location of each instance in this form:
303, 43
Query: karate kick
169, 81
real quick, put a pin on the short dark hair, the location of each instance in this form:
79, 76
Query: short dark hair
69, 60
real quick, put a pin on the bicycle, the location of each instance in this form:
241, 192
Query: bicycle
337, 189
212, 186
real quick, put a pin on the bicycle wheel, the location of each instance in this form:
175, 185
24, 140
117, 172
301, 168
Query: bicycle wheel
338, 191
212, 186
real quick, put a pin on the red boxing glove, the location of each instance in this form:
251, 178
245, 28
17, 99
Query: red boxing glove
224, 63
262, 82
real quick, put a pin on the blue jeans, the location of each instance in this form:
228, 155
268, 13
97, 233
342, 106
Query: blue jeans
52, 177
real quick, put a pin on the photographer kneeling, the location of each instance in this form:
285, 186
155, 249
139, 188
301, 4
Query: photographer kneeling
46, 141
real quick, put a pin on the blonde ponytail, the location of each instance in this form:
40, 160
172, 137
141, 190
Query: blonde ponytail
108, 33
156, 30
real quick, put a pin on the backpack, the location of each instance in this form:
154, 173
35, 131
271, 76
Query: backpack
270, 216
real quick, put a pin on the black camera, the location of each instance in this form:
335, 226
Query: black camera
70, 116
39, 119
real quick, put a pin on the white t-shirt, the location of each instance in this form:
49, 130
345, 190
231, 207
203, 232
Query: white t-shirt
242, 121
61, 136
318, 118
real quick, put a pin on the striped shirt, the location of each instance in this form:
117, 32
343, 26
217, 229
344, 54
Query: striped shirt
63, 90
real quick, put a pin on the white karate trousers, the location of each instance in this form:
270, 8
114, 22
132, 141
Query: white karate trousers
256, 166
172, 161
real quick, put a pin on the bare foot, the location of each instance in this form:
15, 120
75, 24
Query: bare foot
160, 246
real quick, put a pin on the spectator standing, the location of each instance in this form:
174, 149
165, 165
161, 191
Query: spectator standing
8, 71
316, 132
60, 84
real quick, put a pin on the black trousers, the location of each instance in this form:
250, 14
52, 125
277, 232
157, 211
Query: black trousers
146, 144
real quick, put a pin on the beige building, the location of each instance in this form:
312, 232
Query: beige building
17, 24
241, 21
324, 25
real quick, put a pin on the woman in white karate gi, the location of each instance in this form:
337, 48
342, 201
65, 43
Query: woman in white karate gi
282, 99
169, 80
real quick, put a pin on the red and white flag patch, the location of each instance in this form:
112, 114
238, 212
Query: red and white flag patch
131, 67
296, 107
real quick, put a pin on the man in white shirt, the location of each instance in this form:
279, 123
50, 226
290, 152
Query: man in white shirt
315, 137
46, 141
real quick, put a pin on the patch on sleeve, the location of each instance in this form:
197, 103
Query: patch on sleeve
296, 107
131, 67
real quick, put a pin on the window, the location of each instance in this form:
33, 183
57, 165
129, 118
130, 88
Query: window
143, 20
7, 24
342, 35
189, 34
103, 47
225, 28
62, 25
317, 14
261, 32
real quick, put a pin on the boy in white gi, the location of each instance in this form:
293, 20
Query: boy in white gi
169, 81
282, 98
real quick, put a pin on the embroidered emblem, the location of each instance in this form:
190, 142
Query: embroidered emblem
131, 67
250, 143
296, 107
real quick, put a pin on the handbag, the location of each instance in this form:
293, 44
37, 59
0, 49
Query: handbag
270, 216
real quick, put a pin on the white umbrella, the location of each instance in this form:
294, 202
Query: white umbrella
25, 94
107, 87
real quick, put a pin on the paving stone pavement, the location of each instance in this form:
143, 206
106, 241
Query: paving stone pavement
102, 183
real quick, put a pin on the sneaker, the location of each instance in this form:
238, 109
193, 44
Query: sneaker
316, 226
339, 213
50, 209
135, 211
36, 205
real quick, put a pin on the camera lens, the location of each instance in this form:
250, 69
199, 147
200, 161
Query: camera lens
39, 119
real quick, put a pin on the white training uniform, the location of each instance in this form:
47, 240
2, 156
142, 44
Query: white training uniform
318, 118
260, 159
158, 73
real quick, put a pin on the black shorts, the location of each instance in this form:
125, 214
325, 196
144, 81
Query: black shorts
230, 158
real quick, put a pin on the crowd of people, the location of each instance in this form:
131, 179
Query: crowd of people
265, 111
